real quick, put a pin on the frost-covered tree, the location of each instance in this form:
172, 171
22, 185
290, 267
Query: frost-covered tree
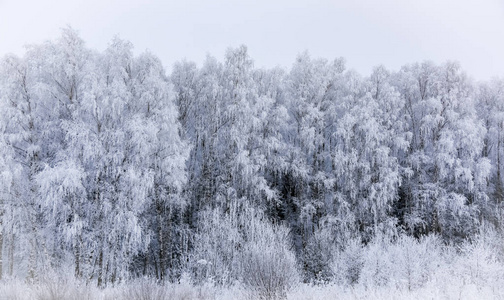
197, 94
22, 124
491, 113
62, 73
367, 172
307, 178
159, 150
94, 157
448, 178
224, 118
134, 165
110, 169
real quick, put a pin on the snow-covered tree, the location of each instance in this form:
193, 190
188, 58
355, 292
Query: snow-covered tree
448, 176
110, 169
94, 152
22, 124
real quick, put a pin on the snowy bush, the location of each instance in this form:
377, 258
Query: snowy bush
415, 260
406, 263
144, 289
347, 264
480, 263
52, 286
269, 268
244, 247
216, 243
318, 256
14, 290
377, 265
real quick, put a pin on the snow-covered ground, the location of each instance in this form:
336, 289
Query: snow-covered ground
404, 269
149, 290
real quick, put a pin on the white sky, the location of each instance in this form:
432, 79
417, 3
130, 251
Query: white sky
366, 33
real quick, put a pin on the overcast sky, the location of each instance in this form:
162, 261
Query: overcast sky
366, 33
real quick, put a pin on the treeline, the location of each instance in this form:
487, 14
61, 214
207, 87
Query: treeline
113, 170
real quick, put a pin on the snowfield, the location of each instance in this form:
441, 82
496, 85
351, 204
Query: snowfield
142, 290
431, 271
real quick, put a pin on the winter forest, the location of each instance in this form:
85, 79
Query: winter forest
298, 183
